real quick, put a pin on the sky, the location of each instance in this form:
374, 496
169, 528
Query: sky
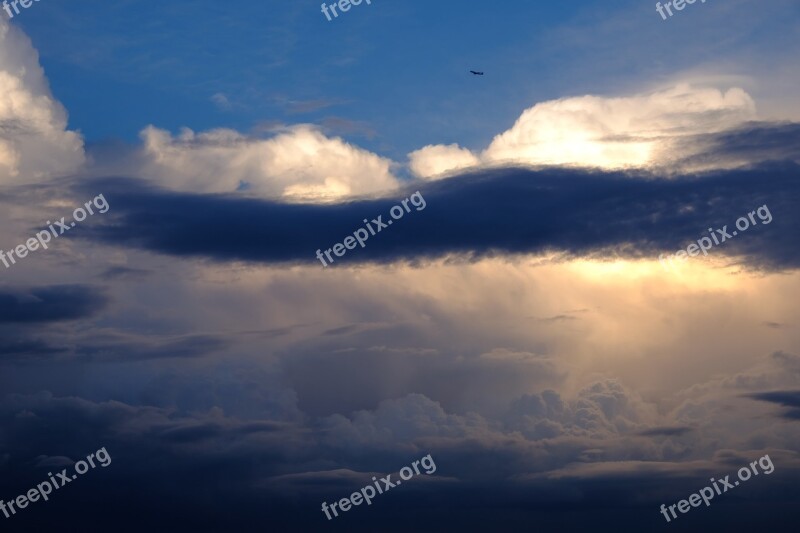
253, 258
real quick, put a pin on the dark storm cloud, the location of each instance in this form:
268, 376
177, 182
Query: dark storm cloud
23, 348
196, 432
485, 213
106, 347
157, 456
676, 431
784, 398
125, 273
755, 141
127, 348
274, 476
789, 399
50, 304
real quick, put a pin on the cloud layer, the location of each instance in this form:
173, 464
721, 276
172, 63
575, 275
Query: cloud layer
518, 329
495, 211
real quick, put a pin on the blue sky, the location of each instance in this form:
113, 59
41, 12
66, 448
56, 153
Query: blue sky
398, 67
397, 70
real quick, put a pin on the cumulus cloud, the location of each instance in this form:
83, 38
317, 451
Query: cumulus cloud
298, 164
600, 410
34, 140
617, 132
609, 133
400, 421
435, 160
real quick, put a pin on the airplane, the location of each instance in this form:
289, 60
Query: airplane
476, 73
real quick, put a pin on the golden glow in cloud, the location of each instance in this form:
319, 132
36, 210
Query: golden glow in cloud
607, 133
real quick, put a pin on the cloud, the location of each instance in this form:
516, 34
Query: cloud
125, 273
34, 141
16, 348
221, 101
785, 398
746, 145
601, 410
675, 431
343, 126
50, 304
491, 212
297, 164
606, 446
104, 345
435, 160
399, 422
387, 364
120, 347
601, 132
790, 399
347, 379
44, 461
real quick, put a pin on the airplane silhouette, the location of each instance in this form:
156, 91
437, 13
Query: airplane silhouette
477, 73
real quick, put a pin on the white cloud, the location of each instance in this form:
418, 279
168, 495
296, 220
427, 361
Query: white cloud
436, 160
298, 164
221, 101
634, 131
34, 140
